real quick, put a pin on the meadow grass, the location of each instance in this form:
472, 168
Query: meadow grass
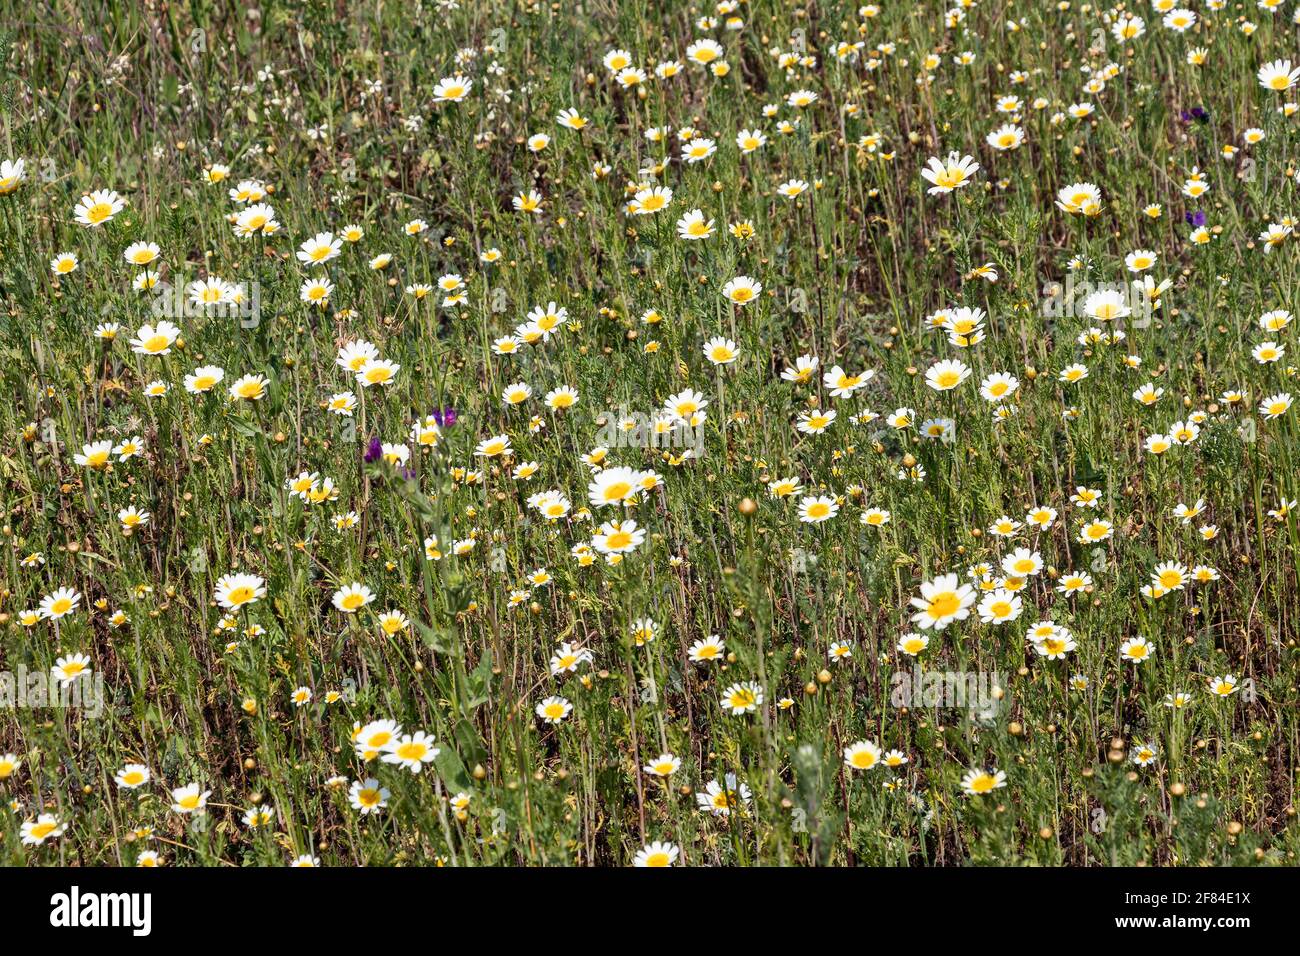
549, 656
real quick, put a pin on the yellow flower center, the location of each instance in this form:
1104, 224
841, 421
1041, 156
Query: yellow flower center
944, 604
618, 491
742, 698
240, 595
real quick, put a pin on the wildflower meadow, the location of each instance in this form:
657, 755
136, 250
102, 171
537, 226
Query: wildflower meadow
611, 434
